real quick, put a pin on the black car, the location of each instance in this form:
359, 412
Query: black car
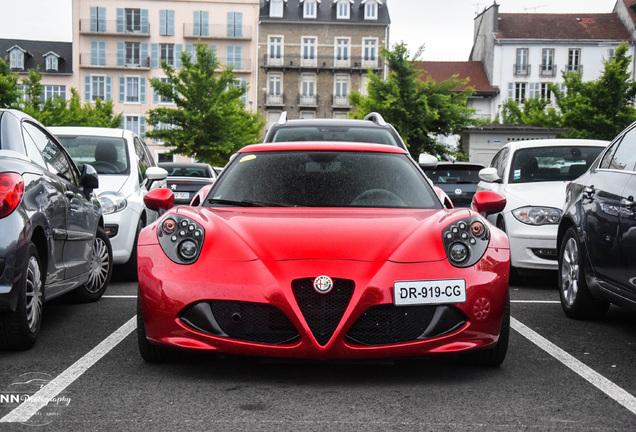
373, 129
186, 178
458, 179
597, 234
53, 240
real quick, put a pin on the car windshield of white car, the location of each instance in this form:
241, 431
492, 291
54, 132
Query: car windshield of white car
108, 155
373, 135
558, 163
323, 179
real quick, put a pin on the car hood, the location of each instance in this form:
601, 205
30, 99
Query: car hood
543, 194
115, 183
370, 235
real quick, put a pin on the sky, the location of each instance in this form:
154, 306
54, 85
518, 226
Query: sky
444, 27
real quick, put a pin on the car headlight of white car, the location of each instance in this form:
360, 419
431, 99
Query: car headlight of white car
112, 202
537, 215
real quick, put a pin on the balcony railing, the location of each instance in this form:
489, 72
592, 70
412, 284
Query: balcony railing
308, 101
112, 61
574, 68
548, 70
217, 31
521, 69
274, 100
340, 101
296, 61
113, 27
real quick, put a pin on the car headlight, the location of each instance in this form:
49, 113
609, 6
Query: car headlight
112, 202
466, 241
181, 238
537, 215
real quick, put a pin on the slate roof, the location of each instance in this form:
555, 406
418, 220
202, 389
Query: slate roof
35, 51
631, 8
474, 70
326, 13
562, 26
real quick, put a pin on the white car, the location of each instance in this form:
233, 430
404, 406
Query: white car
532, 176
127, 171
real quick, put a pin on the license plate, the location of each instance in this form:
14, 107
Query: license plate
442, 291
181, 195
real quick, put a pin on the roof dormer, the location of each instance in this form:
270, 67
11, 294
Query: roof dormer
310, 8
16, 57
371, 8
276, 8
52, 61
343, 9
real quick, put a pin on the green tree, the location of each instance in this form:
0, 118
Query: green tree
535, 112
418, 109
9, 92
59, 112
210, 122
599, 109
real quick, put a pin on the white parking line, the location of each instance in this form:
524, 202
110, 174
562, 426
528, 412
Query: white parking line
120, 296
536, 301
40, 399
597, 380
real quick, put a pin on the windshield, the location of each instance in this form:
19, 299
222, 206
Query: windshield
559, 163
373, 135
108, 155
454, 174
323, 179
175, 170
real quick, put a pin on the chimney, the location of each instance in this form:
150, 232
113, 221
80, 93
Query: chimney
495, 17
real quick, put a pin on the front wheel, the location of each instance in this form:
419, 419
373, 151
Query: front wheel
576, 300
100, 271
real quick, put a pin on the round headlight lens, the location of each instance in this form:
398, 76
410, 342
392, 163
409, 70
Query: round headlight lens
537, 215
169, 225
188, 249
458, 252
112, 202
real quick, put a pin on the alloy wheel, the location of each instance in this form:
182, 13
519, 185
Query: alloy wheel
100, 266
570, 271
33, 294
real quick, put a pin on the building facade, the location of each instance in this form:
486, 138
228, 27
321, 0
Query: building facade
120, 44
313, 53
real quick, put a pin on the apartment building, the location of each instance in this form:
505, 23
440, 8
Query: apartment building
120, 44
313, 53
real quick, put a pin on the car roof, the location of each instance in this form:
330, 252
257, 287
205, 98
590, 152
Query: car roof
557, 142
185, 164
458, 164
327, 122
322, 146
92, 131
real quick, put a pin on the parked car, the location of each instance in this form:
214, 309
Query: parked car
597, 235
457, 179
186, 178
314, 250
53, 239
373, 129
127, 171
533, 175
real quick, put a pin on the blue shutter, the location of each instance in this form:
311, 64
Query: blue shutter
142, 126
154, 56
145, 27
205, 16
101, 19
177, 52
189, 48
162, 23
155, 95
170, 18
238, 24
87, 88
142, 89
102, 53
196, 24
94, 53
120, 20
122, 89
230, 24
109, 88
121, 53
144, 60
93, 22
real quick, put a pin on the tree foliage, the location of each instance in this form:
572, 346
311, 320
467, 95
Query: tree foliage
535, 112
418, 109
210, 122
9, 92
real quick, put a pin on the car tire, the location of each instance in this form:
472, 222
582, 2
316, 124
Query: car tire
493, 357
576, 300
100, 271
129, 269
149, 352
19, 330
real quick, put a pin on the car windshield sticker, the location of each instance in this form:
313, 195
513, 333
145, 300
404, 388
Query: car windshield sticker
517, 174
248, 158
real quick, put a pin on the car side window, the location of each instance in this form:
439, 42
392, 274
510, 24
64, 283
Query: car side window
142, 158
622, 155
55, 160
499, 161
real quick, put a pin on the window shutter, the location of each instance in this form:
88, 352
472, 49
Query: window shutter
121, 53
205, 16
142, 126
109, 88
94, 53
93, 21
162, 23
170, 18
142, 89
238, 24
154, 56
87, 88
196, 25
145, 28
144, 60
120, 20
177, 52
122, 89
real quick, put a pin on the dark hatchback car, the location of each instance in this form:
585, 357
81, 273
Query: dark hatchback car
53, 240
458, 179
597, 234
186, 178
373, 129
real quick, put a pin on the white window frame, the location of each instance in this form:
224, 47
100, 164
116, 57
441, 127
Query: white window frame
51, 62
96, 82
309, 51
51, 91
275, 84
369, 52
343, 9
276, 8
134, 48
275, 50
574, 59
371, 10
166, 47
340, 82
132, 20
16, 58
129, 98
342, 49
310, 9
160, 99
133, 120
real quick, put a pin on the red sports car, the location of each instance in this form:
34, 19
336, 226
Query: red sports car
324, 251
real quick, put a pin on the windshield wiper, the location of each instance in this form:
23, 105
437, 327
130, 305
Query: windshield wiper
246, 203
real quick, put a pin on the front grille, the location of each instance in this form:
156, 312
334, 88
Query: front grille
389, 324
322, 312
250, 322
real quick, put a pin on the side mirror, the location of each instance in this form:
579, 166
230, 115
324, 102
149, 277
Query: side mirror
89, 179
427, 161
489, 175
488, 202
156, 173
159, 199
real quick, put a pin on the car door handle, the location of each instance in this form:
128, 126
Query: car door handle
588, 192
69, 194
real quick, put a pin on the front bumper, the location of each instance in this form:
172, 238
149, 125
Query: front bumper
532, 247
124, 223
242, 308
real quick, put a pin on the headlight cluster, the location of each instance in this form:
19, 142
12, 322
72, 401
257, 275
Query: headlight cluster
112, 202
537, 215
465, 241
181, 238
